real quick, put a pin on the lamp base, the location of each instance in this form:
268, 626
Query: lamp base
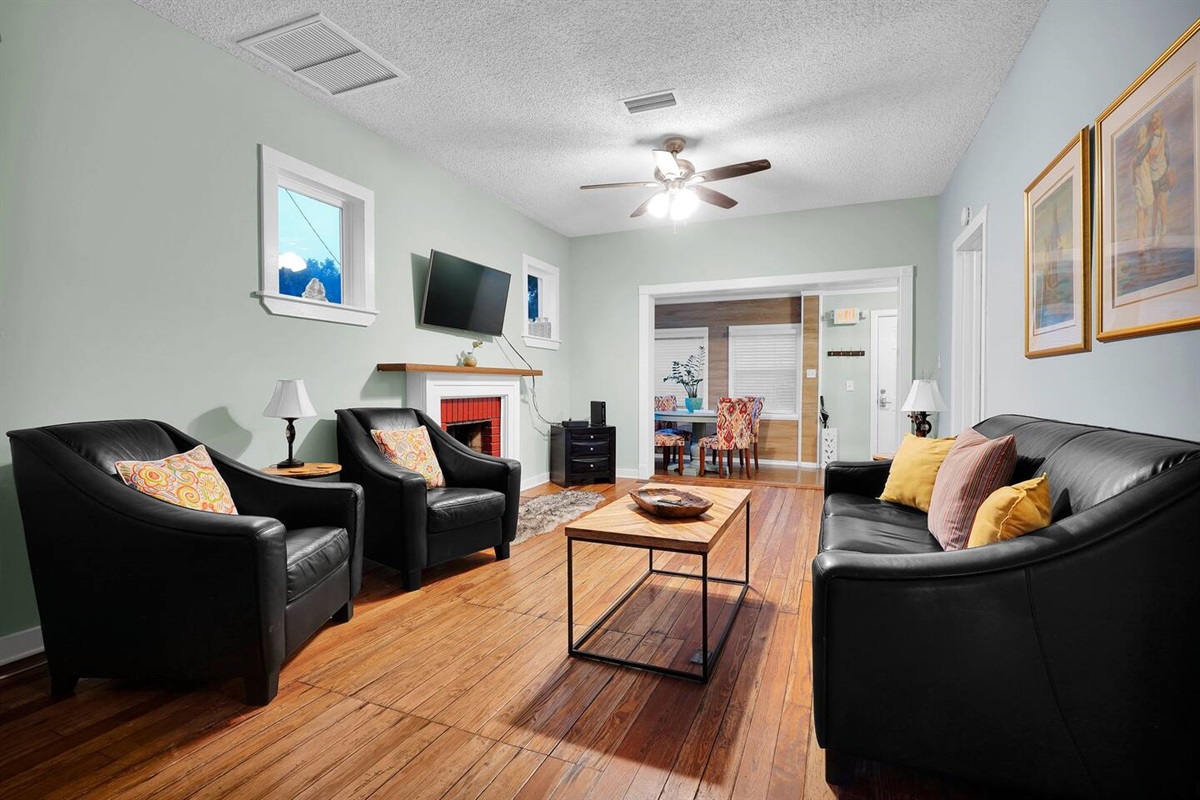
290, 463
921, 423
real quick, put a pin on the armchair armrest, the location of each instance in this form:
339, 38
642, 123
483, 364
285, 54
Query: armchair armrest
865, 478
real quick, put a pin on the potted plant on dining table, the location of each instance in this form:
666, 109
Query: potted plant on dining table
688, 375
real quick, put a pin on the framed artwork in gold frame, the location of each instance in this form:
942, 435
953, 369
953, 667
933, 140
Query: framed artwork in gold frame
1058, 216
1148, 199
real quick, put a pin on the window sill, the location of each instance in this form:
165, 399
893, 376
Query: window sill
540, 342
288, 306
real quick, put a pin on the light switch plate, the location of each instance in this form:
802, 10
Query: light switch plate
812, 373
849, 386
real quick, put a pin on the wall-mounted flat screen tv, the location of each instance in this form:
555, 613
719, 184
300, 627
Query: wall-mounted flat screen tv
465, 295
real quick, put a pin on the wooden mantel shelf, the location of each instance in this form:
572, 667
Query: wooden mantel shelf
529, 373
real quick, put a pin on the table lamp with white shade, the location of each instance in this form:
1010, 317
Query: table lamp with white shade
290, 402
923, 399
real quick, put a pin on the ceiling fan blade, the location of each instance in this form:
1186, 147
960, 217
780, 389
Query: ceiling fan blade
733, 170
714, 197
648, 184
666, 163
637, 212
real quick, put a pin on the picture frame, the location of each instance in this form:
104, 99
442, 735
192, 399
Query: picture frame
1148, 199
1058, 215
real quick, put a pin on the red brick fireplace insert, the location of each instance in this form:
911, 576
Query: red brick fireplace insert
474, 421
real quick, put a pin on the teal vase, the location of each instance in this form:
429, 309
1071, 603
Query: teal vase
693, 403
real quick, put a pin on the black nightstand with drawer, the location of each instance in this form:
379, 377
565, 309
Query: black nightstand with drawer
583, 455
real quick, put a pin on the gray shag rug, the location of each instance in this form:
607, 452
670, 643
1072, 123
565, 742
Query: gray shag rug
545, 513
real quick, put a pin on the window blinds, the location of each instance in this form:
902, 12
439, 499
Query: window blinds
668, 347
764, 361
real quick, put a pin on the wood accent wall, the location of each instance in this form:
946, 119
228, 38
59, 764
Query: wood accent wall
777, 437
810, 447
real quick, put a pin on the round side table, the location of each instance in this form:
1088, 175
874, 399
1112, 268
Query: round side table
311, 469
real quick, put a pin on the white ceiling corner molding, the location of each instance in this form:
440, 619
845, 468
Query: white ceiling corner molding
851, 102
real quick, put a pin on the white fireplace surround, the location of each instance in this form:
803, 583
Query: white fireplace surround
427, 390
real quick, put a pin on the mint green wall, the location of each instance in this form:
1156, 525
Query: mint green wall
129, 248
1079, 58
607, 270
850, 412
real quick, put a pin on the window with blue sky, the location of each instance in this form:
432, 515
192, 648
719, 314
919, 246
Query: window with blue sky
310, 247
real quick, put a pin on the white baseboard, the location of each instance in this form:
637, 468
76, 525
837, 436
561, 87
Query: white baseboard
775, 462
16, 646
530, 481
627, 473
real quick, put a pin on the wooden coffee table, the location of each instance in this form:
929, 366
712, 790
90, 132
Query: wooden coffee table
623, 524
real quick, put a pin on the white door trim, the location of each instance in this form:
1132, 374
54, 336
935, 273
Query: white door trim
968, 323
899, 278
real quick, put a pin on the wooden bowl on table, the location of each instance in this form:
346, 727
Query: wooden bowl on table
671, 503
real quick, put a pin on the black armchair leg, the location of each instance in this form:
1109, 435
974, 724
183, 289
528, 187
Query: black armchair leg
345, 613
62, 685
412, 580
261, 689
839, 768
501, 551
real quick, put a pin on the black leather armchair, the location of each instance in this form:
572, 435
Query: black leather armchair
129, 586
1062, 662
410, 527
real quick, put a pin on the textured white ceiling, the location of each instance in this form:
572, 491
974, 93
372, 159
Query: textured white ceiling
853, 101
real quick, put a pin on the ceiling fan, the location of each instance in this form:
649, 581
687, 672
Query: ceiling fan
680, 188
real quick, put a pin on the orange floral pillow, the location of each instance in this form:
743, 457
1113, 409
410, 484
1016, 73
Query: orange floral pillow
186, 479
410, 448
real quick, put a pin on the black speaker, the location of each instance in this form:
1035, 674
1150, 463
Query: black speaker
598, 413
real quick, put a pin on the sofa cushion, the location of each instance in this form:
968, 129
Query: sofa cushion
914, 470
860, 535
312, 554
862, 507
456, 507
975, 467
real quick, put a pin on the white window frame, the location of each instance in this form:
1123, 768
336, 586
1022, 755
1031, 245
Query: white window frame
686, 333
752, 330
547, 299
357, 203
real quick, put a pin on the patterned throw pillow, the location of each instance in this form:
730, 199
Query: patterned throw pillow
410, 448
187, 479
975, 467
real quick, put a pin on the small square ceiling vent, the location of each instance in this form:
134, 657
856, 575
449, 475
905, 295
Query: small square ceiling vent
323, 54
649, 102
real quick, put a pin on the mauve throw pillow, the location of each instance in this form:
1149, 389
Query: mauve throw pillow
974, 468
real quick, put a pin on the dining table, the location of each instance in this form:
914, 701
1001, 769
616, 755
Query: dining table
700, 419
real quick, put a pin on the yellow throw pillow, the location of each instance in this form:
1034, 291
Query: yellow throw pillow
186, 479
914, 469
410, 448
1011, 511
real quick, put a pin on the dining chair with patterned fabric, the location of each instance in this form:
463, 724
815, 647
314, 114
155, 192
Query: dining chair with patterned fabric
734, 431
670, 442
757, 404
668, 402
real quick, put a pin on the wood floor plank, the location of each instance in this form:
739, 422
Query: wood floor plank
437, 768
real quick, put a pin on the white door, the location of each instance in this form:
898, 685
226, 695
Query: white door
885, 400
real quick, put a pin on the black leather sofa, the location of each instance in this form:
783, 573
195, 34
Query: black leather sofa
129, 586
410, 527
1063, 662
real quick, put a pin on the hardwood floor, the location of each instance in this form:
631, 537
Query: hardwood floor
768, 475
464, 690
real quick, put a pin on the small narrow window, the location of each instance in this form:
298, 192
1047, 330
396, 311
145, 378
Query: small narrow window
318, 242
541, 306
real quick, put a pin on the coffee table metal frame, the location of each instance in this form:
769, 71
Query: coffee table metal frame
708, 660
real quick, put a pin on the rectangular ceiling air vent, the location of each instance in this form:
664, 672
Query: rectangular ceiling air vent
323, 54
649, 102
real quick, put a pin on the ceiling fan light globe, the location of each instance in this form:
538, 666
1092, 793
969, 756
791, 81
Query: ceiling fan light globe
684, 204
659, 205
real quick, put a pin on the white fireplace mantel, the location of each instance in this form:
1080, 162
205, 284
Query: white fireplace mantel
427, 390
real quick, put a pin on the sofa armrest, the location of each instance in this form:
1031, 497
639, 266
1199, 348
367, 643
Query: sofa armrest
865, 478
